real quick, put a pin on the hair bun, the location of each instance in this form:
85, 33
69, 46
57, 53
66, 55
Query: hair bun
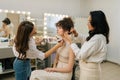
6, 21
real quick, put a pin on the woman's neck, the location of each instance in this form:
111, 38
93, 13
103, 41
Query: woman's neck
64, 39
4, 27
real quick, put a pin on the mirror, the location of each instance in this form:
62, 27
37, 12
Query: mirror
49, 24
15, 17
80, 24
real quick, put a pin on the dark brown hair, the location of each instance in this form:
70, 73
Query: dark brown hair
66, 24
22, 37
100, 25
6, 21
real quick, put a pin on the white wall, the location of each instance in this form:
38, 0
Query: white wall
112, 11
75, 8
38, 7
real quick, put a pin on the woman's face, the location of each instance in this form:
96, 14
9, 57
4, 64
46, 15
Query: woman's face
33, 31
90, 27
60, 31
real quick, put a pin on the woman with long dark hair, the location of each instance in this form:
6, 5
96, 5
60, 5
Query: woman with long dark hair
64, 60
25, 49
94, 47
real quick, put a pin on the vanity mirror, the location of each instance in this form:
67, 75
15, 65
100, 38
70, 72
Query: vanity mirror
80, 24
15, 17
49, 24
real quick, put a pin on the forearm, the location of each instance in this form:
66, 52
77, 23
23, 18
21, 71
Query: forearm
76, 50
63, 70
52, 50
55, 64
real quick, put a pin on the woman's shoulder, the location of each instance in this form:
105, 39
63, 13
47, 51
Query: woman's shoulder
98, 36
31, 41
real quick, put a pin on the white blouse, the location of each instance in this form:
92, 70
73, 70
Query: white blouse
93, 50
32, 52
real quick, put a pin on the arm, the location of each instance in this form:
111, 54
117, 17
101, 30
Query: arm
56, 61
79, 37
87, 49
53, 49
33, 52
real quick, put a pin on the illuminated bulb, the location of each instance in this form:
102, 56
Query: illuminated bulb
18, 12
0, 10
45, 32
57, 15
28, 13
61, 16
33, 23
33, 37
49, 14
32, 19
12, 11
52, 14
45, 23
45, 14
45, 19
66, 16
45, 28
45, 36
6, 11
28, 18
23, 12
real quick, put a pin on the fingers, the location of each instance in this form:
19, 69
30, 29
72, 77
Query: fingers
38, 40
72, 30
21, 56
60, 43
49, 69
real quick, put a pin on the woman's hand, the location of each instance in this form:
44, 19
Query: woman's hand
60, 43
38, 40
50, 69
73, 31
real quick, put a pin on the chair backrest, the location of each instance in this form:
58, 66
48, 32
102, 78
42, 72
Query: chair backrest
75, 71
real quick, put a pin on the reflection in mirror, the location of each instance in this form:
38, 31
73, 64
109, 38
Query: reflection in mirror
15, 17
49, 24
80, 24
39, 25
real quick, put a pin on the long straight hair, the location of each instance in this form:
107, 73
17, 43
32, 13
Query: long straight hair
100, 25
22, 37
